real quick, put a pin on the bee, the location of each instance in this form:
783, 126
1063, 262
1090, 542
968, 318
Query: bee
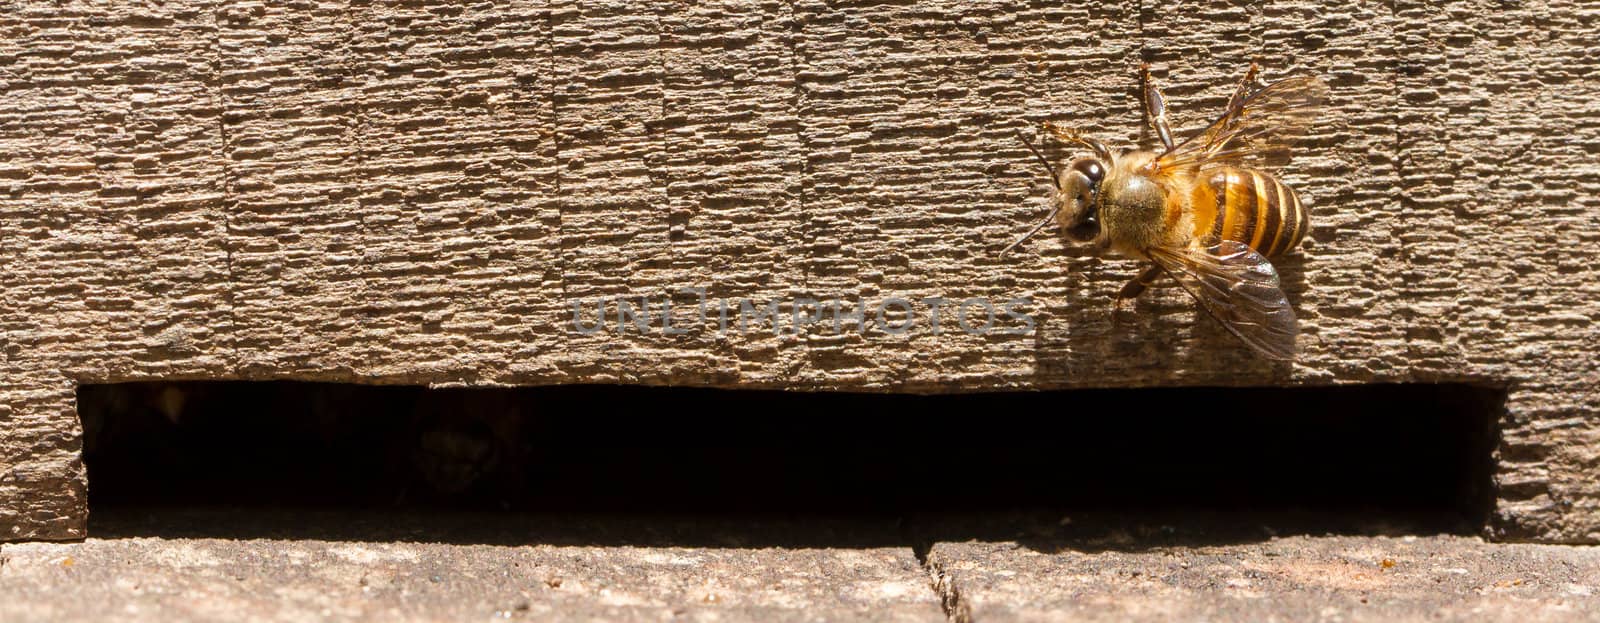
1203, 210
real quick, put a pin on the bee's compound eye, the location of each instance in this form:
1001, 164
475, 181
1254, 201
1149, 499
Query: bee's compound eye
1091, 169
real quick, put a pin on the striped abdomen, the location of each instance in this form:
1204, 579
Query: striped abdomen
1248, 206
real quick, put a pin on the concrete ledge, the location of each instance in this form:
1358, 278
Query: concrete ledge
367, 567
1291, 578
266, 566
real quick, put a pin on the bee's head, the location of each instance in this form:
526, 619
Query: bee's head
1077, 202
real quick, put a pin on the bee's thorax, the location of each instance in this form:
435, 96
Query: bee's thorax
1134, 206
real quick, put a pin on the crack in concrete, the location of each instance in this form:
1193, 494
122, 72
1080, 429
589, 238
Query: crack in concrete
951, 599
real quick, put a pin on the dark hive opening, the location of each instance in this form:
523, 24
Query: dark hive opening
1368, 451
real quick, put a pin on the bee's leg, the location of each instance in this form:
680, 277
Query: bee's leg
1137, 285
1246, 86
1155, 107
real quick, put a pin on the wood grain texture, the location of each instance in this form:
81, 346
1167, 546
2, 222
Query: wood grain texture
403, 193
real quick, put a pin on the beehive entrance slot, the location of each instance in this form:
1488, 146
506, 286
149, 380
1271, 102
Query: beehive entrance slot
1367, 451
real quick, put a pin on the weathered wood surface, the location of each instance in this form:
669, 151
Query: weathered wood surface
404, 193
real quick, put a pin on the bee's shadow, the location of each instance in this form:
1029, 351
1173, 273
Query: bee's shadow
1161, 338
1292, 277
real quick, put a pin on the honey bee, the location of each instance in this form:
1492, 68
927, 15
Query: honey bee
1202, 210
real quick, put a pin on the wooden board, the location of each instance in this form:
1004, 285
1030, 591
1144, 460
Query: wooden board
398, 193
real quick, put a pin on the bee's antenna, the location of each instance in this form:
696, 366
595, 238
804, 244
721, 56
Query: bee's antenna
1054, 181
1030, 234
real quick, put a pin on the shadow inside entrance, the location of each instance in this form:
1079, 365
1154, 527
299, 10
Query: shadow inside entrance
641, 465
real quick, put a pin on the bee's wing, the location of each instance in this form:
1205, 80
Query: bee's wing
1239, 288
1257, 130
